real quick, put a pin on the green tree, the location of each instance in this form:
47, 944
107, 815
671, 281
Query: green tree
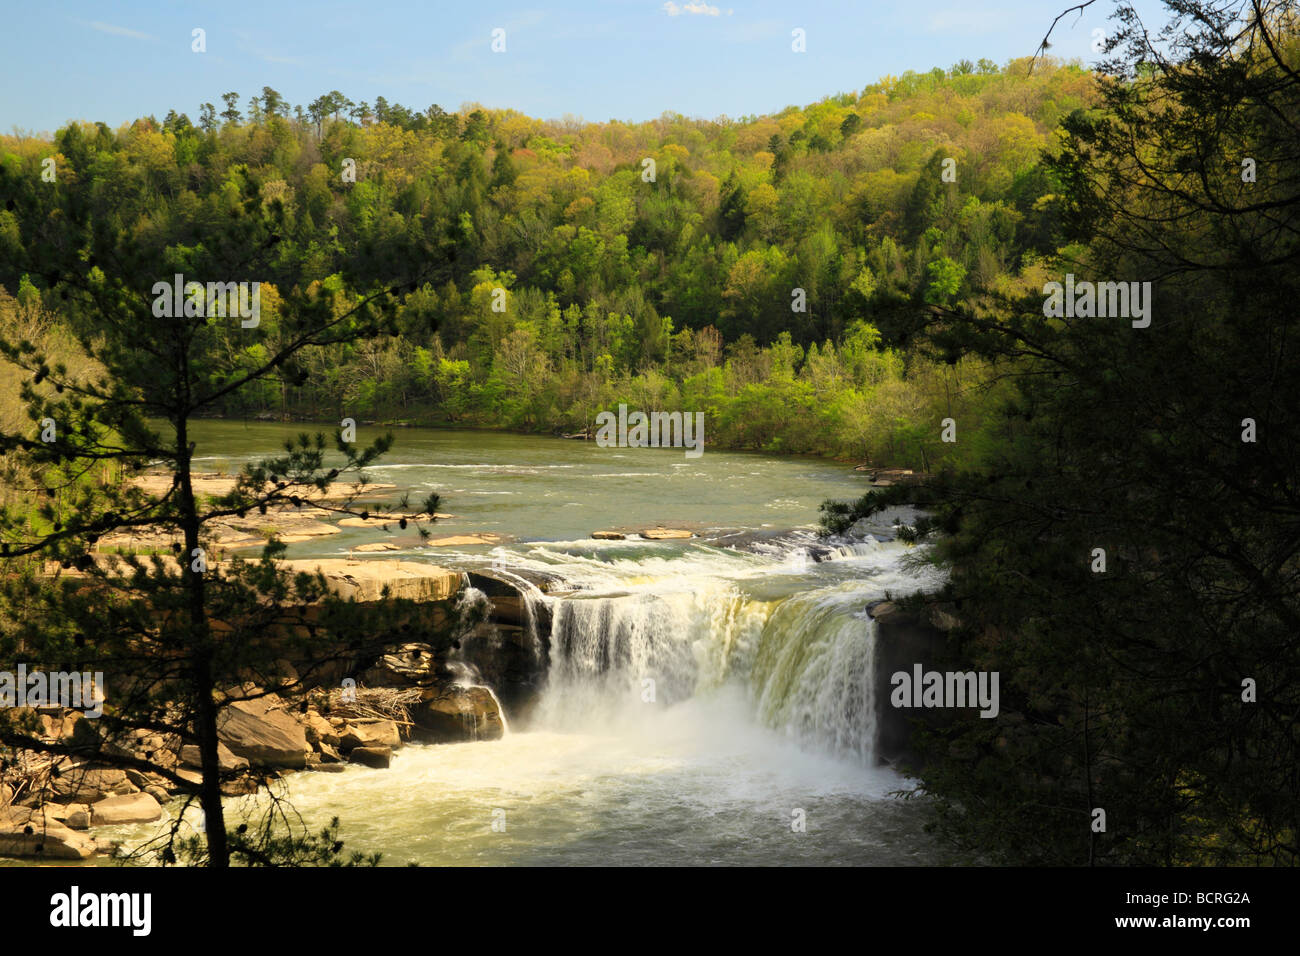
172, 635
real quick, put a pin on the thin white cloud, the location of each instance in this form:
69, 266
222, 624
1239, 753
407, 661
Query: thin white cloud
116, 31
692, 7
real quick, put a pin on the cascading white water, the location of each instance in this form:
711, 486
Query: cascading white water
464, 673
792, 632
814, 676
616, 658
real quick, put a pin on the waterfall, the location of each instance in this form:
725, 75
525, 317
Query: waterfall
804, 660
464, 672
774, 619
619, 657
814, 676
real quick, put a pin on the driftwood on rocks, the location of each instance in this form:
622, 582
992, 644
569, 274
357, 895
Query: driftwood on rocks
382, 703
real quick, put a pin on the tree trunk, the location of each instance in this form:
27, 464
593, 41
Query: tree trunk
205, 717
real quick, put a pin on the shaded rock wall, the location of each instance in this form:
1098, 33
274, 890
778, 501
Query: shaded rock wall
904, 638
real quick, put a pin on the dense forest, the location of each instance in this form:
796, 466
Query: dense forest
768, 271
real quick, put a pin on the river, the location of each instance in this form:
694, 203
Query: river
754, 743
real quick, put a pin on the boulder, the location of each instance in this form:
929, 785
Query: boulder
131, 808
608, 536
34, 833
73, 815
80, 820
879, 609
86, 784
149, 742
464, 540
257, 730
329, 754
452, 714
84, 734
369, 733
59, 726
664, 534
239, 787
377, 757
137, 778
106, 847
192, 777
226, 760
320, 732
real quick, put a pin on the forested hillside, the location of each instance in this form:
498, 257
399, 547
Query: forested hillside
769, 271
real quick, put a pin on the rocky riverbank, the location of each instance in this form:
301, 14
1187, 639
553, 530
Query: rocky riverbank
51, 806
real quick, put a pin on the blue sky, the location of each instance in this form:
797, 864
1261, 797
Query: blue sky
616, 59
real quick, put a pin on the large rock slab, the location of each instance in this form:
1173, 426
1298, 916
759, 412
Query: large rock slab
665, 534
465, 540
497, 581
289, 526
257, 730
364, 580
